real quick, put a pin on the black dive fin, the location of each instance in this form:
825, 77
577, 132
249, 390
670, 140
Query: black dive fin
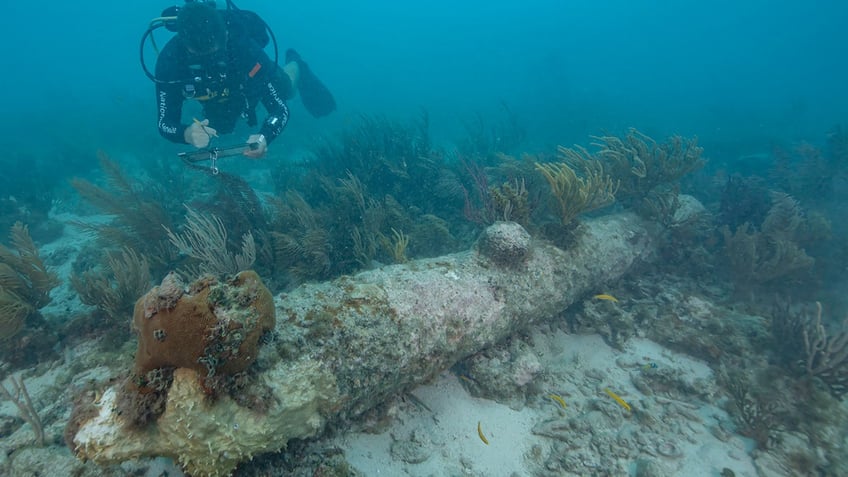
316, 98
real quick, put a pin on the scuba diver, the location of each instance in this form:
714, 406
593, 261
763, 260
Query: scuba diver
217, 57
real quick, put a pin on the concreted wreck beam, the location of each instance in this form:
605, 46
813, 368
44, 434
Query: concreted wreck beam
346, 345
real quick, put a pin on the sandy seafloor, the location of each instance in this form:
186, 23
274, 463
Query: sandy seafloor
434, 433
433, 430
520, 440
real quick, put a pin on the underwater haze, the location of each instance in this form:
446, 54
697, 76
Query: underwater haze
766, 70
518, 238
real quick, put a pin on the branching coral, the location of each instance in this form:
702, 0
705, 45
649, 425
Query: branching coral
19, 396
517, 197
756, 258
300, 244
826, 354
205, 239
396, 245
784, 218
334, 214
137, 220
479, 205
756, 414
574, 194
236, 204
760, 257
350, 228
388, 157
787, 327
511, 202
433, 237
806, 346
114, 288
743, 199
661, 204
642, 164
807, 172
13, 313
25, 282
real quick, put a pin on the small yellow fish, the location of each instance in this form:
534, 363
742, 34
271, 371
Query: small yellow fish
558, 399
607, 297
480, 433
621, 402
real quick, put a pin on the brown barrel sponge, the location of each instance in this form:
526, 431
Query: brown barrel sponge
212, 327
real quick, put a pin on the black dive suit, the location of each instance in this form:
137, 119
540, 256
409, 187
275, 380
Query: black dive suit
229, 84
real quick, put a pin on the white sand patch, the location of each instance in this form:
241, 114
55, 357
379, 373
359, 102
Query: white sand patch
64, 299
447, 443
452, 430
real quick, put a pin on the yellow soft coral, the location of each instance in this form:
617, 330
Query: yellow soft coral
574, 194
25, 283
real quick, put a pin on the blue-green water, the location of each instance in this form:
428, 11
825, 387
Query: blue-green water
446, 113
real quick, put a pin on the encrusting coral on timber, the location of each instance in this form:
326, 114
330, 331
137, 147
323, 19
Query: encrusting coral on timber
344, 345
505, 243
191, 337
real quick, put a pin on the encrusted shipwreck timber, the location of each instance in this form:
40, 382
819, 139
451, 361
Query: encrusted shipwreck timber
343, 346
